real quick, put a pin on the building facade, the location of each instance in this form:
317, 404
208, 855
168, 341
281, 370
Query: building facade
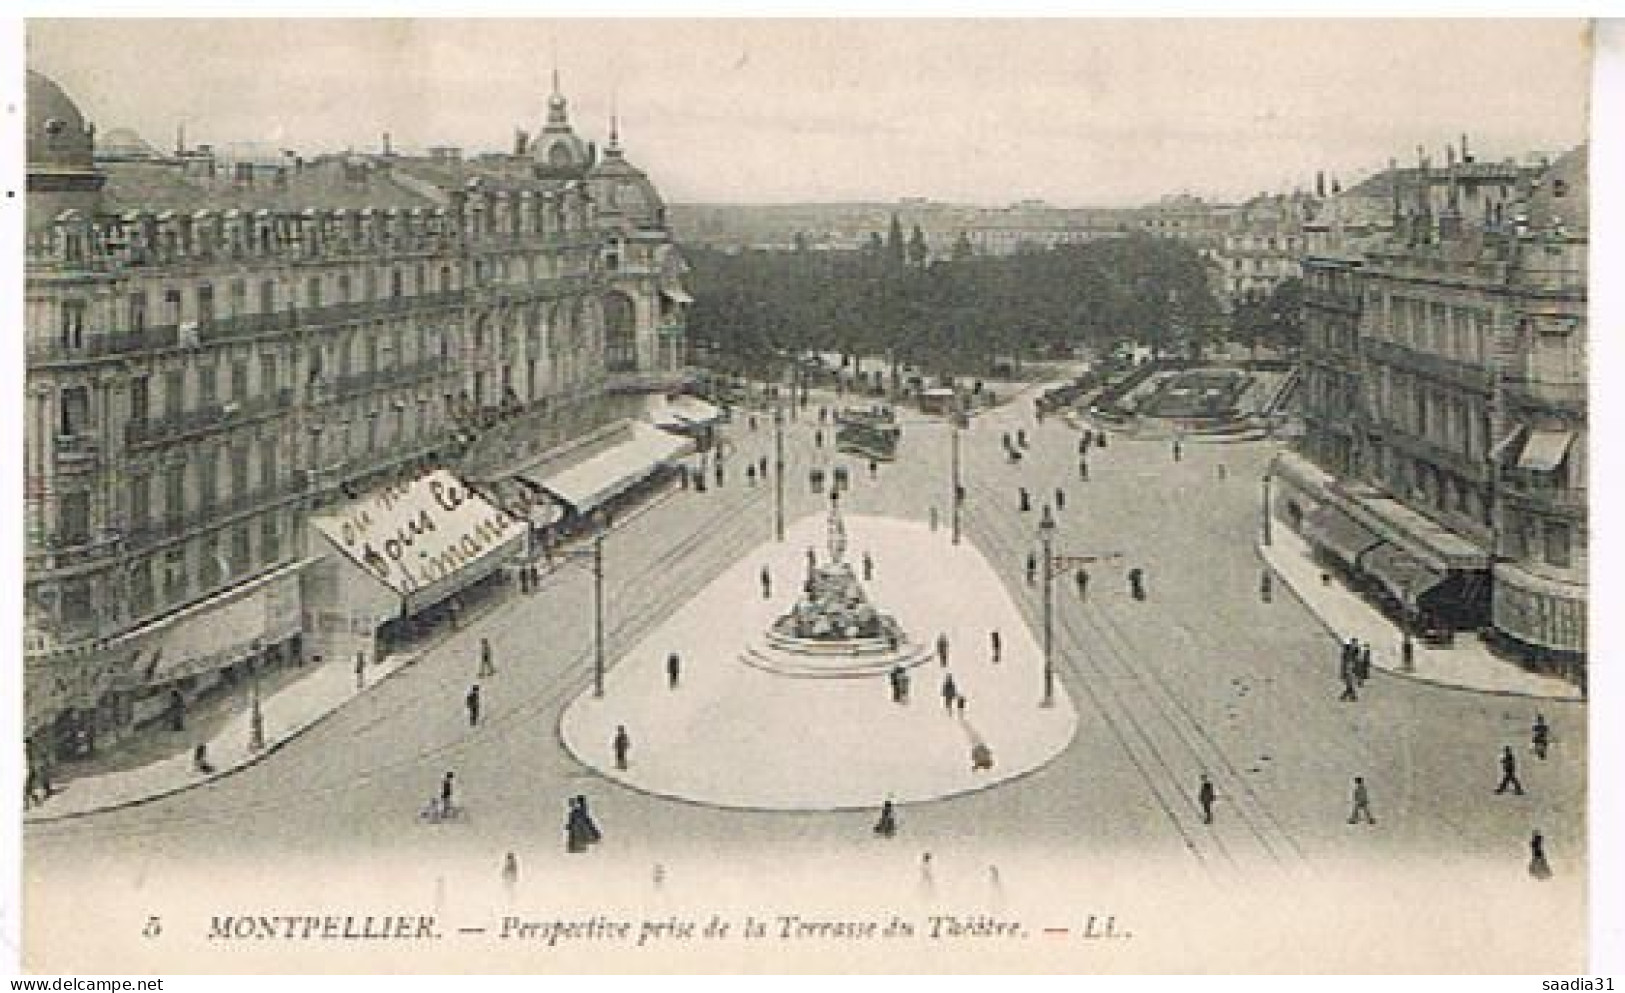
218, 350
1443, 461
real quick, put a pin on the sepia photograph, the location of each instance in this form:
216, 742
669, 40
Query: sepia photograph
835, 495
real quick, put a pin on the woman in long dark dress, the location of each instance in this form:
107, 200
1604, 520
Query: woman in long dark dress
887, 825
1538, 866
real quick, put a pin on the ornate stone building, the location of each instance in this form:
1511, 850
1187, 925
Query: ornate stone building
1443, 462
219, 350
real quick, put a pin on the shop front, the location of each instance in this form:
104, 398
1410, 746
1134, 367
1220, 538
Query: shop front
1546, 617
174, 660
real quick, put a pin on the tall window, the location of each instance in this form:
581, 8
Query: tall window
175, 492
270, 539
73, 324
239, 471
205, 304
268, 466
138, 312
208, 565
75, 410
239, 381
74, 525
268, 373
396, 284
313, 292
268, 297
239, 297
172, 307
207, 387
1558, 551
140, 494
208, 479
242, 554
140, 590
175, 574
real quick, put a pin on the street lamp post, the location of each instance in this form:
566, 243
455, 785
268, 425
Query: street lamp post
1046, 533
957, 496
1266, 509
256, 718
598, 614
778, 474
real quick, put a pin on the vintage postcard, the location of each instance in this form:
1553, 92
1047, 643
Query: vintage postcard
845, 495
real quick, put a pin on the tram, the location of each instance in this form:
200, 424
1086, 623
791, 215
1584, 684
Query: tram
871, 434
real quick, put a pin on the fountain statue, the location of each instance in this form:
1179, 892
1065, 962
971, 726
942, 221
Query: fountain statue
834, 630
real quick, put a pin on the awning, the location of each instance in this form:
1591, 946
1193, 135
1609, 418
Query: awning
1336, 532
676, 294
1405, 576
1546, 449
694, 412
610, 473
216, 632
425, 539
1423, 538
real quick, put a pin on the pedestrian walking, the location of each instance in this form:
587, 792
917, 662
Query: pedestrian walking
1362, 803
886, 826
472, 702
1060, 498
950, 692
1407, 653
1085, 440
874, 468
761, 467
623, 747
899, 684
942, 649
767, 584
1025, 502
1021, 437
1538, 866
1509, 772
674, 669
997, 643
1349, 695
1363, 670
510, 873
1032, 568
1083, 470
360, 669
961, 701
1540, 736
868, 567
1082, 579
1206, 795
818, 438
487, 664
1178, 450
719, 473
1136, 583
447, 792
750, 475
1266, 586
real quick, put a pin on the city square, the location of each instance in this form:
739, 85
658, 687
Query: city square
573, 616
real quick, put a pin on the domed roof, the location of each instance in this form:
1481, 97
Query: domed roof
124, 145
559, 152
58, 138
621, 187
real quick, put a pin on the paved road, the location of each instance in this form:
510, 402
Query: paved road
1200, 678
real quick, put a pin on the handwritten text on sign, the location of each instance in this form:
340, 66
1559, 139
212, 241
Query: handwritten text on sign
412, 535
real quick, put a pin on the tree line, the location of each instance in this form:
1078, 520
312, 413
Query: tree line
962, 314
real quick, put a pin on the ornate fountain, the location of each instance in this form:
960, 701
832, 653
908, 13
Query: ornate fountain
834, 630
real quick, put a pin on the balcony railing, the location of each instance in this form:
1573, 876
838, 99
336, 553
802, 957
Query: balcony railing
1567, 396
106, 345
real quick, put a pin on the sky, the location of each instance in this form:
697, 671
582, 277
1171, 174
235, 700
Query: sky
984, 111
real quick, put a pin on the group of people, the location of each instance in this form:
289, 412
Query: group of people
1353, 668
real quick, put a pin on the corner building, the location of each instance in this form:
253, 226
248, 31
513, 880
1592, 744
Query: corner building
1443, 465
220, 352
